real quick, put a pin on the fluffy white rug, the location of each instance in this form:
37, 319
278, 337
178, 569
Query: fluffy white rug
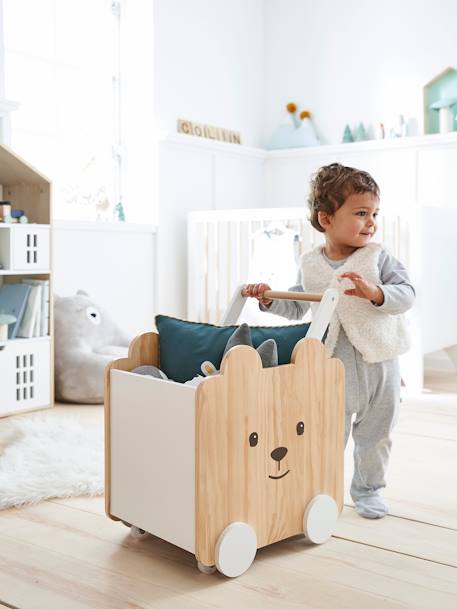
44, 456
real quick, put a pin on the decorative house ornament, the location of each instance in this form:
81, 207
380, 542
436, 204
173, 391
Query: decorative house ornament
440, 103
445, 113
208, 131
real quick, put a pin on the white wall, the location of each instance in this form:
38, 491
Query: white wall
197, 174
209, 68
209, 64
354, 61
113, 264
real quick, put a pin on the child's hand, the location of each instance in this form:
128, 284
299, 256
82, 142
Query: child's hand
363, 288
256, 290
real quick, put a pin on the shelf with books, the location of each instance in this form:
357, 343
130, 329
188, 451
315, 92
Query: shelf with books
26, 356
26, 301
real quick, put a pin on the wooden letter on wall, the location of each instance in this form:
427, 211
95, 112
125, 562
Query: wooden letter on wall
208, 131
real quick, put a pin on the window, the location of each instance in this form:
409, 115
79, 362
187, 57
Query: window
62, 64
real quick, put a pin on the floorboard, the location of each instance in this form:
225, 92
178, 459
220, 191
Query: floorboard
422, 476
59, 558
429, 542
65, 553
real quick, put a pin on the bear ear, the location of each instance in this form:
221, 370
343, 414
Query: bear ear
81, 293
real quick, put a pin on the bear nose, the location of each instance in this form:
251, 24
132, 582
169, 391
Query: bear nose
279, 453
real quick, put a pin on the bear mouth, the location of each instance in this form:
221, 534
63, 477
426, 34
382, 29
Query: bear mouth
281, 476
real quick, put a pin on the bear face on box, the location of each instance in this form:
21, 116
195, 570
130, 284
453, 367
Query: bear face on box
267, 442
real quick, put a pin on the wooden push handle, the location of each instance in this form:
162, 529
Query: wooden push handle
274, 295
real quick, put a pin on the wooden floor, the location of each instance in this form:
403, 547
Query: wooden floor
65, 554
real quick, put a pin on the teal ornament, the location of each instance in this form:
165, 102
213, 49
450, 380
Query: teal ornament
23, 220
119, 211
360, 133
347, 135
8, 219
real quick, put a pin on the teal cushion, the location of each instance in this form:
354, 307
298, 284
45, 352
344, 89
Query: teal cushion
185, 345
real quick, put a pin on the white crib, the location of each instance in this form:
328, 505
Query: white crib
222, 246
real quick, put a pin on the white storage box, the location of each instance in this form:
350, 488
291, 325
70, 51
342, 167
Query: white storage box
25, 366
24, 247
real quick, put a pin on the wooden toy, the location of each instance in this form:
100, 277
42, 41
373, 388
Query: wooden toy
247, 458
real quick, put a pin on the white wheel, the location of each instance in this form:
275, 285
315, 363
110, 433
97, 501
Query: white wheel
205, 568
236, 548
137, 533
320, 518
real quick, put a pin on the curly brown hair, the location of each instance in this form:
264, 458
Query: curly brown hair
332, 184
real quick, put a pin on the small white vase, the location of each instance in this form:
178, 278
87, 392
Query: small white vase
3, 332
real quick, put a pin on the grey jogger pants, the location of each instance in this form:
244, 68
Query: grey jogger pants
373, 396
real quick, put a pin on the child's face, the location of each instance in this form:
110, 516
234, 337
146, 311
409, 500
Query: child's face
354, 223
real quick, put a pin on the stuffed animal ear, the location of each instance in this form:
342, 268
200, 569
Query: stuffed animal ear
268, 352
241, 336
81, 293
150, 371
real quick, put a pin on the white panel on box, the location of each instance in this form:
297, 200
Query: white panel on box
152, 432
25, 366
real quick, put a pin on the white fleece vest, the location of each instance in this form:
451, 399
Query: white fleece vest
377, 335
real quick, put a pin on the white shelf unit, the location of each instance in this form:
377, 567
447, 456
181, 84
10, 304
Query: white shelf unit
26, 364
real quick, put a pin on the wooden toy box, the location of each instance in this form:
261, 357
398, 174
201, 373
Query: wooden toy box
247, 458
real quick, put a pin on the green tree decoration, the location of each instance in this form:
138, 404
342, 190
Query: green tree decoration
347, 135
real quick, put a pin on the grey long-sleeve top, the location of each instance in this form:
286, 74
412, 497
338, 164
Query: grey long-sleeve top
398, 291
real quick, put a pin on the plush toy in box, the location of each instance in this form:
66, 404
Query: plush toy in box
86, 339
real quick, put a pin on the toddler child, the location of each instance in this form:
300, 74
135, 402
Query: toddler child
367, 331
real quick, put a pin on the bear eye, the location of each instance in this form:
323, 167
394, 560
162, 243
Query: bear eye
300, 428
253, 439
93, 315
